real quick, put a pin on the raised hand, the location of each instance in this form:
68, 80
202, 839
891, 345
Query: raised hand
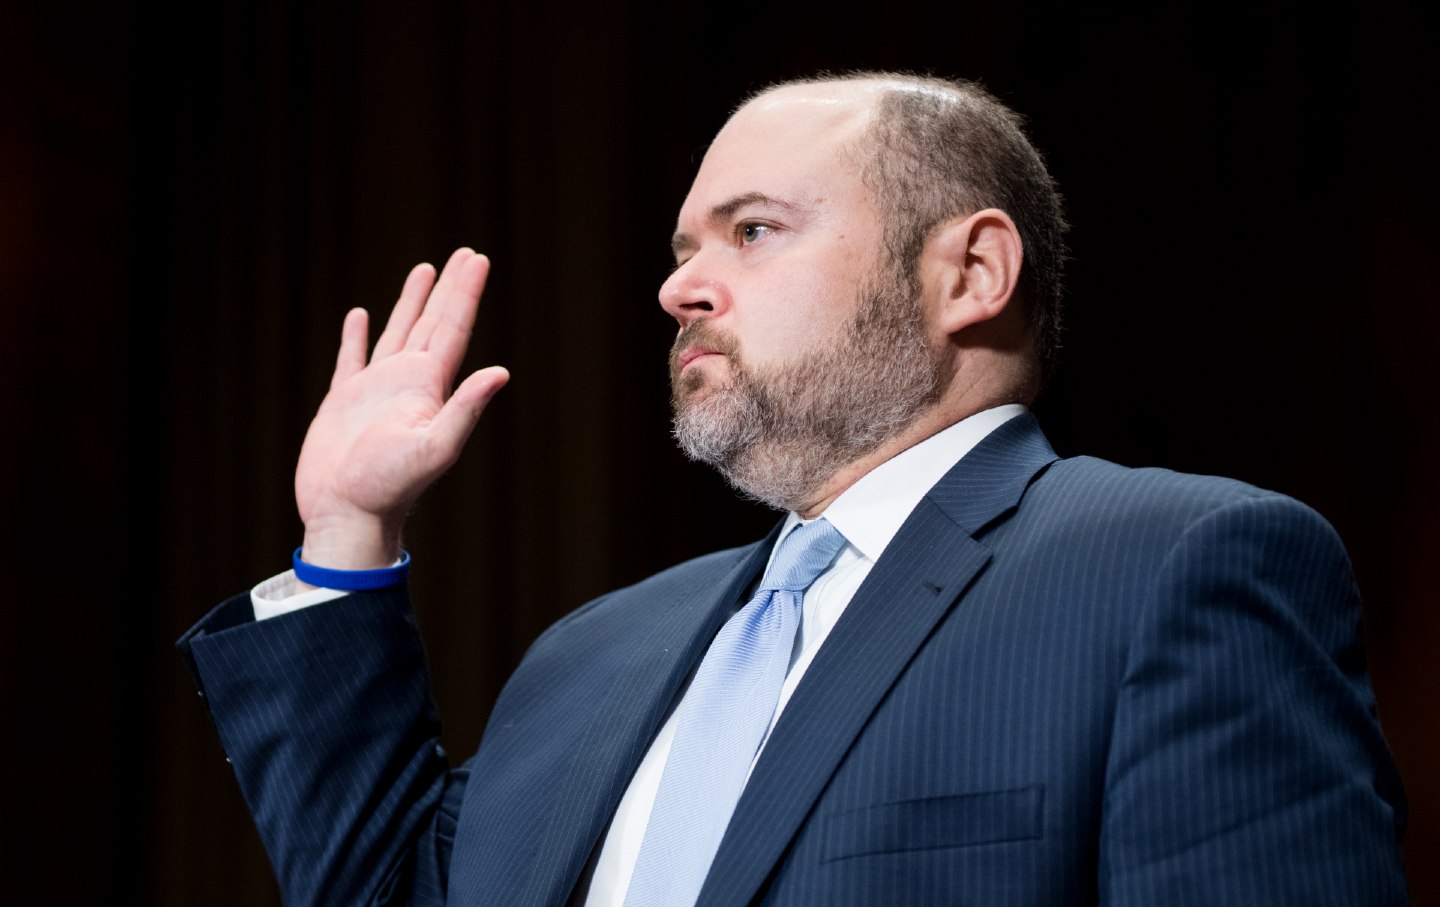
389, 428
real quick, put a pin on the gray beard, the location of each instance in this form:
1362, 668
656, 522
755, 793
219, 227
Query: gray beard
780, 434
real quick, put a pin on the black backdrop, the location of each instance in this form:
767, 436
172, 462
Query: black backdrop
193, 195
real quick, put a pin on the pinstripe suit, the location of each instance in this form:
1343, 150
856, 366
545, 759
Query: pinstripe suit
1064, 683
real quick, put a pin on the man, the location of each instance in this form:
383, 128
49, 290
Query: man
1015, 679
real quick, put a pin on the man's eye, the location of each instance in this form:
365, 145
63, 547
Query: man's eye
751, 232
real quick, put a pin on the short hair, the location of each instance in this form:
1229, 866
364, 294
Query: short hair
937, 149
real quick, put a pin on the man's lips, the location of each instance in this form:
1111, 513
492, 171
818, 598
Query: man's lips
690, 354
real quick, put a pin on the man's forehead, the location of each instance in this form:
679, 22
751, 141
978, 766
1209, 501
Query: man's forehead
792, 134
787, 149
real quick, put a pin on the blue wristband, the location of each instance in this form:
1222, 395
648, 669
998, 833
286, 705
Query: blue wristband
352, 580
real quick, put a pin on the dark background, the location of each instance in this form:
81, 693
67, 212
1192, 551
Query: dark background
193, 195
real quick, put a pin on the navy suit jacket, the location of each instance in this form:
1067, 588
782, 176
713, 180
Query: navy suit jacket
1065, 682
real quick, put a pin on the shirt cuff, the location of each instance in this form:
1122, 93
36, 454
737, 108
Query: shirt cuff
282, 594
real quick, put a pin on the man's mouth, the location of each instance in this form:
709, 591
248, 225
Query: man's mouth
697, 341
691, 353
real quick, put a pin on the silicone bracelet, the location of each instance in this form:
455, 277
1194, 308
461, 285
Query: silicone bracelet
352, 580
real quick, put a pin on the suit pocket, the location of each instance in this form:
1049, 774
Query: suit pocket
960, 820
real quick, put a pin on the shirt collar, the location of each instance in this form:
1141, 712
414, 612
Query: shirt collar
871, 511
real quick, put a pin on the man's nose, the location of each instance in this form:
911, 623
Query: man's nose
689, 294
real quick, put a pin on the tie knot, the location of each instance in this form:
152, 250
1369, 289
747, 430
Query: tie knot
804, 554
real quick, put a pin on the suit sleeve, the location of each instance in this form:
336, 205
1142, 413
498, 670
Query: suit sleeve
326, 717
1247, 764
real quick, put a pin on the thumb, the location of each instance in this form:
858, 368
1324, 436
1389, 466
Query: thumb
457, 418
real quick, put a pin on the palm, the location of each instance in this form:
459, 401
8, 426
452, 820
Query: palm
388, 428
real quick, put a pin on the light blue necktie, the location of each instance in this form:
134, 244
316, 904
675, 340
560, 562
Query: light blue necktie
723, 721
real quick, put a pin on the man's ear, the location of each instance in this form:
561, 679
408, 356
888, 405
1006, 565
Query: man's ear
969, 269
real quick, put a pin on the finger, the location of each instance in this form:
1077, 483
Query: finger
457, 418
354, 337
456, 279
456, 320
407, 309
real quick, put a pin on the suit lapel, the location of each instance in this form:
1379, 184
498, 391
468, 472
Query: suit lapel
665, 633
923, 573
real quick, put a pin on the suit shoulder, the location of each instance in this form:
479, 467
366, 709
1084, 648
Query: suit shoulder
1154, 547
1097, 485
1153, 509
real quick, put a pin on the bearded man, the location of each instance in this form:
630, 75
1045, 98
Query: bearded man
961, 670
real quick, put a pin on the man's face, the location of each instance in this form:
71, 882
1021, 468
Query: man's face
801, 347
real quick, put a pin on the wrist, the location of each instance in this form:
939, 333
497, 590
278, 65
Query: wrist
351, 542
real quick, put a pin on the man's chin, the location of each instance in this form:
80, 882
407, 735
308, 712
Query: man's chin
691, 388
709, 426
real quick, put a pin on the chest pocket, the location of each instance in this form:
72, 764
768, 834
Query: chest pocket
959, 820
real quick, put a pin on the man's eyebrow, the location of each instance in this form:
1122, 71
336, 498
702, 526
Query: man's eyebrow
723, 212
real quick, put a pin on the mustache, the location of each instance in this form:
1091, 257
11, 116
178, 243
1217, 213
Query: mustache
702, 334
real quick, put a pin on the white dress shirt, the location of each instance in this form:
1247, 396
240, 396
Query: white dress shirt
868, 514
